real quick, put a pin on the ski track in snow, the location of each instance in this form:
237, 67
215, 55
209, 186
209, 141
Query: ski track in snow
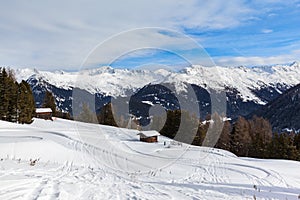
86, 161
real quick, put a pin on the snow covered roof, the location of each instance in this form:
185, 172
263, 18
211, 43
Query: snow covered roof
149, 133
43, 110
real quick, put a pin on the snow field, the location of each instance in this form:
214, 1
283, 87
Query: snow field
87, 161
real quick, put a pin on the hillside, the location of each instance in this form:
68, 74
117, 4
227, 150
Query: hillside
87, 161
284, 111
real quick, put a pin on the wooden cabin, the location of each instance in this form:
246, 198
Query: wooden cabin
44, 113
148, 136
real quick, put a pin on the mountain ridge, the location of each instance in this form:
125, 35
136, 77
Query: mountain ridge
247, 89
115, 82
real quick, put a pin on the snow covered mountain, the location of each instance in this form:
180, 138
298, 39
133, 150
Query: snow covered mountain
247, 88
283, 112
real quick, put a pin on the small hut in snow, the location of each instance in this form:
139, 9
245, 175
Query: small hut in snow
148, 136
44, 113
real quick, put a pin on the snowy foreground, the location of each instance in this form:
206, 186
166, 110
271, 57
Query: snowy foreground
72, 160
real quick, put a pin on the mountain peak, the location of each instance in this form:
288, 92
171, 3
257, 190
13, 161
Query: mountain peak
101, 70
295, 64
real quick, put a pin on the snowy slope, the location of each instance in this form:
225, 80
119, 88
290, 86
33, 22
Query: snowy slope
116, 82
87, 161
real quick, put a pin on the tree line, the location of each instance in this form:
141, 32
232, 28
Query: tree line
17, 103
250, 138
104, 116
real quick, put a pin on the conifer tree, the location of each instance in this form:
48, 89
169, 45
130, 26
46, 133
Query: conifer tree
224, 141
86, 115
172, 124
26, 106
106, 116
49, 102
11, 95
282, 147
240, 137
1, 93
297, 141
4, 98
202, 131
261, 135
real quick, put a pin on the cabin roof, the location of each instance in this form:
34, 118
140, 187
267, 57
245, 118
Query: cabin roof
43, 110
149, 133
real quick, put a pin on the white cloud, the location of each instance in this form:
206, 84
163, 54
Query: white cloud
59, 34
266, 31
258, 60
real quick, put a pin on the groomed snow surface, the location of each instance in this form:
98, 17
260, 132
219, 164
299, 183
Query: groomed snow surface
64, 159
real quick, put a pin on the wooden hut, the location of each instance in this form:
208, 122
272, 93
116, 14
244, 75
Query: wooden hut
148, 136
44, 113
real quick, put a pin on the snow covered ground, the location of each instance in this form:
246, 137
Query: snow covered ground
85, 161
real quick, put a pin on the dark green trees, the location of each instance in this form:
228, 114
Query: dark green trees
4, 95
17, 104
106, 116
26, 105
261, 136
172, 123
86, 115
284, 146
49, 102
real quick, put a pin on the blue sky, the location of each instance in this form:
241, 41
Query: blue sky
53, 35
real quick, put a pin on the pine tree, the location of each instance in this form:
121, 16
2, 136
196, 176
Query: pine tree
4, 97
274, 147
201, 133
297, 141
224, 141
187, 127
282, 147
86, 115
2, 86
172, 124
30, 109
240, 137
26, 105
106, 116
22, 115
11, 92
261, 135
49, 102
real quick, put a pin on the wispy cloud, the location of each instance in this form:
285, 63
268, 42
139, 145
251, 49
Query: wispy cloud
60, 34
267, 31
52, 34
257, 60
